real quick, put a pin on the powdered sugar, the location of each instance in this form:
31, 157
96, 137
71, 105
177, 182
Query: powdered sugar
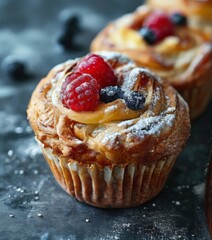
154, 126
111, 139
199, 190
126, 124
151, 125
130, 82
170, 110
107, 55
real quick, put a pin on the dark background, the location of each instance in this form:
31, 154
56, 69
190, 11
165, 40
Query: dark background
32, 205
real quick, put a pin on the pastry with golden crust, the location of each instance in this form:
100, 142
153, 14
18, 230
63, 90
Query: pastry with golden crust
199, 11
117, 155
181, 55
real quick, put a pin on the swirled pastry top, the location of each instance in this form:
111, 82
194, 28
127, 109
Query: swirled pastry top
179, 58
113, 133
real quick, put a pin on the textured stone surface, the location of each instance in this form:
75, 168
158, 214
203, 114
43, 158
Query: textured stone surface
32, 205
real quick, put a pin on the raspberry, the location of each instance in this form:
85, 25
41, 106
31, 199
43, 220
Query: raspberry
69, 79
80, 92
96, 66
160, 23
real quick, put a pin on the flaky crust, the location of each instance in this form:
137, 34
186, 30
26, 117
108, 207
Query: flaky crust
184, 60
160, 129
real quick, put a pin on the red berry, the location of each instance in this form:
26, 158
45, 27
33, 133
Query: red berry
96, 66
69, 79
80, 92
160, 23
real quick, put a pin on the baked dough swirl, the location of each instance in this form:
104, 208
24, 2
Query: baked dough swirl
113, 135
184, 60
112, 129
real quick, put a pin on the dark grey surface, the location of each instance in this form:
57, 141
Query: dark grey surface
32, 205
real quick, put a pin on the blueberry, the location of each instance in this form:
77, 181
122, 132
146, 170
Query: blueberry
15, 69
71, 29
135, 100
179, 19
110, 94
68, 41
72, 23
148, 35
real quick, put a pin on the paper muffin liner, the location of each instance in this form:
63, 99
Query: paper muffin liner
114, 186
198, 95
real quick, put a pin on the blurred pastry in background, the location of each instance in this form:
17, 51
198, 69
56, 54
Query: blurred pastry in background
199, 11
165, 42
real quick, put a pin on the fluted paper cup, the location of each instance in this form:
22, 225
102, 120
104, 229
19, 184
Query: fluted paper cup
116, 186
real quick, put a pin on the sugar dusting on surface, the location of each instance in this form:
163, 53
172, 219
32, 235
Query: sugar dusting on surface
107, 55
133, 76
132, 79
151, 125
157, 225
199, 190
126, 123
146, 126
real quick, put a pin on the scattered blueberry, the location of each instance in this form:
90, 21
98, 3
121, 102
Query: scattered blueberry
71, 28
135, 100
67, 40
72, 22
148, 35
15, 69
179, 19
110, 94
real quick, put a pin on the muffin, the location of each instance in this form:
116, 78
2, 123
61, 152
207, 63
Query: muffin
200, 12
165, 43
109, 130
